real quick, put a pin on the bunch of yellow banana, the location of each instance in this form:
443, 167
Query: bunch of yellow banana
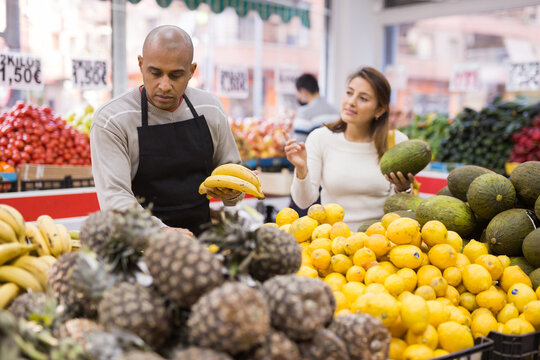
11, 225
51, 238
233, 176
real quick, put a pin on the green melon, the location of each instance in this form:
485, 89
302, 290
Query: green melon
406, 213
525, 178
522, 263
537, 208
364, 225
506, 231
490, 194
535, 278
531, 248
409, 156
445, 191
453, 213
401, 201
461, 177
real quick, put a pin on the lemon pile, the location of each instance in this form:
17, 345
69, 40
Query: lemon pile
432, 293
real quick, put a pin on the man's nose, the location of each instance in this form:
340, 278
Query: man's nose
164, 84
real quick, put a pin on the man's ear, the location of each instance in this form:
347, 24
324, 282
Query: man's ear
192, 69
140, 59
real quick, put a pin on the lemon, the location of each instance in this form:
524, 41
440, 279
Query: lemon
434, 232
354, 242
403, 231
383, 306
286, 216
394, 284
335, 281
454, 337
375, 288
409, 278
363, 257
341, 263
439, 284
302, 228
509, 311
321, 243
476, 278
417, 352
505, 260
339, 229
424, 258
474, 249
538, 292
325, 272
352, 290
415, 313
428, 337
338, 244
521, 294
440, 352
405, 256
341, 300
376, 274
492, 264
285, 227
213, 248
389, 266
483, 324
397, 348
361, 303
468, 301
454, 240
376, 228
399, 329
438, 312
479, 311
452, 275
308, 271
532, 313
442, 256
343, 312
517, 326
452, 294
321, 231
317, 212
458, 316
388, 218
427, 292
355, 273
462, 261
320, 258
491, 299
512, 275
378, 243
427, 273
334, 213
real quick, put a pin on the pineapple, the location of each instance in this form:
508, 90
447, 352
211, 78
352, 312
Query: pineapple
276, 347
325, 345
196, 353
78, 328
119, 236
136, 309
232, 318
27, 304
364, 335
140, 355
183, 269
300, 306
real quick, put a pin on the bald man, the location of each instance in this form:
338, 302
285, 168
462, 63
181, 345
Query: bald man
159, 141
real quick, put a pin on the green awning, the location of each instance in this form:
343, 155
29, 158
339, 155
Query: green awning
242, 7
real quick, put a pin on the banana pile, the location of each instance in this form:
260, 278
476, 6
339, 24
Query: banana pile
27, 251
233, 176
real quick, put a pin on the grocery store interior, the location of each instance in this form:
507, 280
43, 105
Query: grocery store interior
465, 80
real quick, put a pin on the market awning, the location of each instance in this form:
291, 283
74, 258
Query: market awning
242, 7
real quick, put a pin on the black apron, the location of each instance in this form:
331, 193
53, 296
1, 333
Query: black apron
174, 159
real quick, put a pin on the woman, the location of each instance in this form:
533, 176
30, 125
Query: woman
343, 157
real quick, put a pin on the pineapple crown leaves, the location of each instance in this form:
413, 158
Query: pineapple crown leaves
90, 275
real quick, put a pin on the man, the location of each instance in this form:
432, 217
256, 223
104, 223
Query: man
314, 110
159, 141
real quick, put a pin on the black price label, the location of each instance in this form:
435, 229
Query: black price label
19, 71
89, 74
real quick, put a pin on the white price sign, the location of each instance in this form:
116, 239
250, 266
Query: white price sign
89, 74
20, 71
524, 76
233, 82
286, 80
465, 78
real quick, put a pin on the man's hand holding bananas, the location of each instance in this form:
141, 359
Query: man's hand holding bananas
227, 181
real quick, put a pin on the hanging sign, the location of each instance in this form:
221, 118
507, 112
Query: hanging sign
232, 82
286, 80
20, 71
465, 78
524, 76
89, 74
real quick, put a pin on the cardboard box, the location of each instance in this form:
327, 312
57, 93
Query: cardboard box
276, 183
28, 172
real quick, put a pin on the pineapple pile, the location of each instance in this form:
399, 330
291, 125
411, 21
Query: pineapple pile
136, 291
434, 293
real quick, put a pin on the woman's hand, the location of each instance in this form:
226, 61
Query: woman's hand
297, 155
183, 231
401, 183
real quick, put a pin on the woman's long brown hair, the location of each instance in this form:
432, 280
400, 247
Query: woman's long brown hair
379, 126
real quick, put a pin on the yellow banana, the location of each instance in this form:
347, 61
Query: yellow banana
75, 245
66, 238
74, 234
50, 232
8, 292
239, 171
233, 182
7, 233
14, 218
34, 266
21, 277
49, 259
202, 190
12, 250
36, 237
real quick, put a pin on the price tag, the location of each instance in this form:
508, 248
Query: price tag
233, 82
89, 74
465, 78
20, 71
285, 80
524, 76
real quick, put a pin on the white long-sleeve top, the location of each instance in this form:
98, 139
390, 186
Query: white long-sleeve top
348, 173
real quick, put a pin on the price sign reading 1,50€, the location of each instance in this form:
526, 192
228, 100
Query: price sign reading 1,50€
19, 71
89, 74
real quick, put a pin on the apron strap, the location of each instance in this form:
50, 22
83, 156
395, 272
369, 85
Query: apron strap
190, 106
144, 108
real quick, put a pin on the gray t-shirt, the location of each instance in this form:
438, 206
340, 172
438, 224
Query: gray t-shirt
114, 141
313, 115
